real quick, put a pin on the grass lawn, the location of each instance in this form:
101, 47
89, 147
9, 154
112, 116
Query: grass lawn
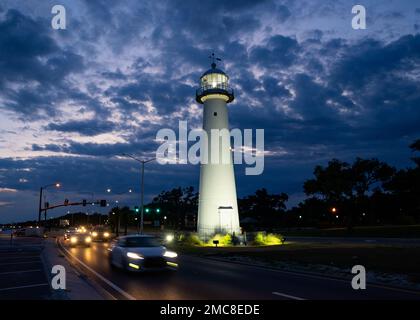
412, 231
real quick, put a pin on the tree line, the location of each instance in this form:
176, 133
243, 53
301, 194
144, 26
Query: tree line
365, 192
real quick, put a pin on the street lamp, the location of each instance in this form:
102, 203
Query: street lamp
143, 162
57, 185
109, 190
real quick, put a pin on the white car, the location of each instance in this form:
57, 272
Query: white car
141, 253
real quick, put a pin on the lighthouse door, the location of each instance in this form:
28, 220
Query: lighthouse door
225, 214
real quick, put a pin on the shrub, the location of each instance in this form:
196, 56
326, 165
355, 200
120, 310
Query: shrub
224, 240
259, 238
194, 240
190, 239
266, 240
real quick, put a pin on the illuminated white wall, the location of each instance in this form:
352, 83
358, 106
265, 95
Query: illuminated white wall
217, 181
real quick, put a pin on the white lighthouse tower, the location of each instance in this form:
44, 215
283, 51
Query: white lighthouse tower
217, 207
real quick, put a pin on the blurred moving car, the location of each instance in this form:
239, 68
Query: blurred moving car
19, 232
69, 232
82, 229
100, 233
74, 238
141, 253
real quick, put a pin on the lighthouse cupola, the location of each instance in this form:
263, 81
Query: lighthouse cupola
214, 84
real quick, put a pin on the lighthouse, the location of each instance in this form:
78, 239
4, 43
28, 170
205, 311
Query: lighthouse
217, 206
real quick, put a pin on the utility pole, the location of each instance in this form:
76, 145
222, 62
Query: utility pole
40, 205
142, 201
140, 225
57, 185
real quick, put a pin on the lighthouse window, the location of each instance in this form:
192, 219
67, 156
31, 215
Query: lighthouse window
214, 80
215, 114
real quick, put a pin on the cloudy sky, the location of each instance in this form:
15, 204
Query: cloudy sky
72, 100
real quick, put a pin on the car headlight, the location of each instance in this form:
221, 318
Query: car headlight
88, 239
73, 239
134, 255
95, 234
106, 234
170, 254
169, 237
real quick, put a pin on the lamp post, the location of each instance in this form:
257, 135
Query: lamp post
143, 162
57, 185
109, 190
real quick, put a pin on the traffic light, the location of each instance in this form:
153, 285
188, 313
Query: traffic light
46, 205
66, 202
136, 209
84, 202
157, 210
103, 203
147, 210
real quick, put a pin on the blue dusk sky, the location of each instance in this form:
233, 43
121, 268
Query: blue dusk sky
72, 100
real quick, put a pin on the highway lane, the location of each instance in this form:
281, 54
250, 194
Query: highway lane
201, 278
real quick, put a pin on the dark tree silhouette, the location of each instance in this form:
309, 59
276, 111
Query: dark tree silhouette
346, 187
265, 208
178, 205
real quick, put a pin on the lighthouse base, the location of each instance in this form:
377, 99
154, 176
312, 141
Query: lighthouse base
225, 221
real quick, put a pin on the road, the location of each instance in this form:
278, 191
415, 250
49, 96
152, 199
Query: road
202, 278
22, 273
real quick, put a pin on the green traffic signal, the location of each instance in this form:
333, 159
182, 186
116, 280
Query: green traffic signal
147, 210
157, 210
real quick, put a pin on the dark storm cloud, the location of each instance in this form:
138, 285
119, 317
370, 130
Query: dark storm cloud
278, 51
166, 96
31, 58
371, 59
385, 84
140, 141
85, 127
317, 97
